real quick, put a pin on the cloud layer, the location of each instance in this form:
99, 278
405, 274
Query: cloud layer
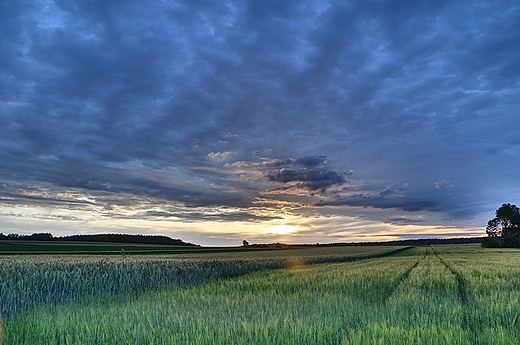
188, 110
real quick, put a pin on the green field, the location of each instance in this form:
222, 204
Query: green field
420, 295
30, 280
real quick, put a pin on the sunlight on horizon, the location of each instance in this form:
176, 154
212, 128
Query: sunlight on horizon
284, 229
290, 229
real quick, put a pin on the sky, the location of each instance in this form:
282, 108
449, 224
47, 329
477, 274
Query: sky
270, 121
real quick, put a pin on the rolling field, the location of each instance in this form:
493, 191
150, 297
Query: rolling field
421, 295
30, 280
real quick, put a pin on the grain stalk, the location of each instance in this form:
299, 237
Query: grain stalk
2, 330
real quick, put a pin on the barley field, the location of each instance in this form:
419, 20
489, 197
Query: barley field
30, 280
421, 295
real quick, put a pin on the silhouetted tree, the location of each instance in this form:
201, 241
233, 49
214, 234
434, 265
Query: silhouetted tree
504, 229
245, 243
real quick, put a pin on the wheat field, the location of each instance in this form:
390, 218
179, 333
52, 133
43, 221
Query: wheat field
421, 295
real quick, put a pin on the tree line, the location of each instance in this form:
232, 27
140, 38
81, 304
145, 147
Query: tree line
111, 238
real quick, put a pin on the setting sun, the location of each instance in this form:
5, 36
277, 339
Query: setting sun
284, 229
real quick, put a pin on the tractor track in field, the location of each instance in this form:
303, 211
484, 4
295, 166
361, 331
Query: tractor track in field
461, 282
403, 277
468, 322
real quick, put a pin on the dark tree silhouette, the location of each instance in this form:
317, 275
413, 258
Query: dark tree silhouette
504, 229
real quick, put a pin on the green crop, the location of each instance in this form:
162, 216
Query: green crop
30, 280
424, 295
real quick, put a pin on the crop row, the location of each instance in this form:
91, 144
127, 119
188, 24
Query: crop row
401, 299
28, 281
440, 295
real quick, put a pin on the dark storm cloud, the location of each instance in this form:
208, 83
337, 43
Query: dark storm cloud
311, 179
310, 173
304, 162
205, 103
380, 201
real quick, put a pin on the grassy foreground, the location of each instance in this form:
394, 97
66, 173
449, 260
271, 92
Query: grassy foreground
30, 280
439, 295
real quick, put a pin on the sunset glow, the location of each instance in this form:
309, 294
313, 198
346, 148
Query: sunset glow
284, 229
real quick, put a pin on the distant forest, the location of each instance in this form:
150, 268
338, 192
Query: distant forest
408, 242
417, 242
109, 238
165, 240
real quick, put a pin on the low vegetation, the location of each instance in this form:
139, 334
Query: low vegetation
30, 280
423, 295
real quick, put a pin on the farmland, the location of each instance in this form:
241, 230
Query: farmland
30, 280
420, 295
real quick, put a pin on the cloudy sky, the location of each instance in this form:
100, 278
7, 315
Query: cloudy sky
292, 121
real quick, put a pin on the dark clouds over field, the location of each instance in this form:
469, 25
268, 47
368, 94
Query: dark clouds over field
326, 116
